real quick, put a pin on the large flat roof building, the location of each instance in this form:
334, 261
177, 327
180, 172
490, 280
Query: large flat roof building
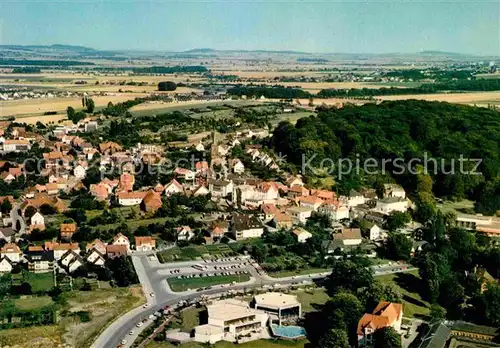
230, 320
280, 307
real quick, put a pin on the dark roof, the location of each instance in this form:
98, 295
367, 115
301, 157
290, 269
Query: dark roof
33, 256
245, 222
437, 336
7, 231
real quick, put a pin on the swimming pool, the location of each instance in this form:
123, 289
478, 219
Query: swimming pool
290, 332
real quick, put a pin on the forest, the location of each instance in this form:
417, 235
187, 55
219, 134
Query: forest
410, 129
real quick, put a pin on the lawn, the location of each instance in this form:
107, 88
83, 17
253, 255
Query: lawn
190, 318
31, 303
195, 283
222, 344
40, 282
282, 274
182, 254
409, 285
309, 299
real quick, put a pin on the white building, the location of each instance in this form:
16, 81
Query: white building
334, 210
300, 214
388, 205
184, 233
230, 319
128, 199
245, 226
79, 171
280, 307
12, 252
38, 219
394, 190
5, 265
374, 232
120, 239
220, 188
301, 234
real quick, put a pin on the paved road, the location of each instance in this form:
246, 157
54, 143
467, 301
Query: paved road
16, 217
152, 276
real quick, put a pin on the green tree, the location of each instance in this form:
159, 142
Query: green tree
491, 302
70, 112
334, 338
349, 275
398, 246
6, 206
437, 313
90, 105
386, 337
396, 220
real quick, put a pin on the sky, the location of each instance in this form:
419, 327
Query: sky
349, 26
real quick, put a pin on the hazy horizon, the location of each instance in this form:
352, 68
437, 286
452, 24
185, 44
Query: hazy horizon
371, 27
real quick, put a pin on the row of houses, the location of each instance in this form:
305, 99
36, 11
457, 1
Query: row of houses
69, 256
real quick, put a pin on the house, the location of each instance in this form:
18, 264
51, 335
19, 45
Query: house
5, 265
40, 261
246, 226
109, 148
374, 232
184, 174
200, 147
131, 198
230, 319
202, 167
96, 258
294, 181
334, 210
394, 191
268, 211
216, 232
200, 191
220, 188
297, 191
386, 314
71, 260
67, 230
299, 214
173, 187
280, 307
117, 250
79, 171
127, 182
18, 145
120, 239
184, 233
145, 243
311, 202
301, 234
323, 194
283, 220
38, 219
52, 189
97, 245
60, 249
390, 204
12, 252
6, 233
355, 198
349, 236
151, 202
237, 166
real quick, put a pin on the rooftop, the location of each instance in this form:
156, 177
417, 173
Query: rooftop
276, 300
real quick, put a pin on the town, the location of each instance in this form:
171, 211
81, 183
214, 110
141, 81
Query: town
268, 191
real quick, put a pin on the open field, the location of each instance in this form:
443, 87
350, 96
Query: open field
103, 306
39, 106
30, 303
482, 98
195, 283
147, 109
463, 207
408, 284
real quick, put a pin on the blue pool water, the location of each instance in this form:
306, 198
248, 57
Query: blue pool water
288, 331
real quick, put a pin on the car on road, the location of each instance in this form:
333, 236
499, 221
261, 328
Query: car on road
123, 342
145, 305
152, 294
131, 332
139, 324
151, 317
